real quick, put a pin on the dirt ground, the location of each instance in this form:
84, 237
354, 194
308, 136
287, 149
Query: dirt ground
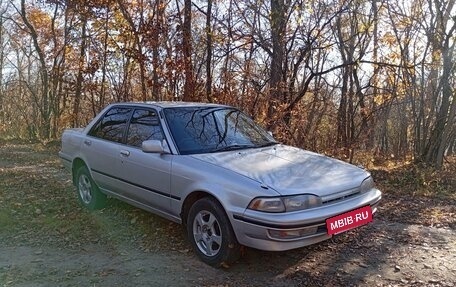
380, 255
46, 239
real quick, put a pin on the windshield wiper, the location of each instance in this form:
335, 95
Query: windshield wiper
233, 147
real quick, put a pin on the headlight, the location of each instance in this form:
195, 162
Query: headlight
367, 184
300, 202
282, 204
268, 204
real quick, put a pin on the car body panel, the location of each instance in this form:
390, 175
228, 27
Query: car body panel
148, 179
102, 157
160, 183
232, 191
290, 170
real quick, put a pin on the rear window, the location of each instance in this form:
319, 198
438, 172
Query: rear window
112, 125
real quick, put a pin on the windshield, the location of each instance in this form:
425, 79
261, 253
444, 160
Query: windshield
214, 129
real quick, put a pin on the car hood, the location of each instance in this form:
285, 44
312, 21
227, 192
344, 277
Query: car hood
290, 170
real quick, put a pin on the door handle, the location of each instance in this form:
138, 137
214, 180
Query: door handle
87, 142
125, 153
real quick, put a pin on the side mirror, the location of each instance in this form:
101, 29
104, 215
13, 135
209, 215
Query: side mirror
155, 146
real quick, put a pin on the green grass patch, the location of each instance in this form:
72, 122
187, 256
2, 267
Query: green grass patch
7, 221
40, 205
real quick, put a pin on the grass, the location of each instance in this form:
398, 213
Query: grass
406, 176
417, 194
39, 203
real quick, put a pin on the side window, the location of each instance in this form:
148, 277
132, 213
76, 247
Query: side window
113, 124
144, 126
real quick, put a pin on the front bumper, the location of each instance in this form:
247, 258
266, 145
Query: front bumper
254, 228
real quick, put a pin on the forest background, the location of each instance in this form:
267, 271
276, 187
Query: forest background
373, 77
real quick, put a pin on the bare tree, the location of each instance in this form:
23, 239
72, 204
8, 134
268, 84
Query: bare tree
189, 93
42, 98
278, 22
80, 74
140, 57
443, 45
2, 58
209, 51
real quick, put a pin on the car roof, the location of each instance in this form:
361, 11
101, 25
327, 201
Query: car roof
169, 104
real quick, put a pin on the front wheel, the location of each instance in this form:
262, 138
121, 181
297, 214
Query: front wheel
211, 234
88, 192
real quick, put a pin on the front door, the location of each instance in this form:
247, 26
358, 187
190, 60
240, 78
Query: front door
146, 176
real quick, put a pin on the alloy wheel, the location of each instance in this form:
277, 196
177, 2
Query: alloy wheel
207, 233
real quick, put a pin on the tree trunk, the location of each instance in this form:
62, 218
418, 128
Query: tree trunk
105, 60
156, 31
140, 57
2, 57
439, 139
209, 51
189, 93
45, 110
276, 81
80, 76
370, 143
341, 140
440, 134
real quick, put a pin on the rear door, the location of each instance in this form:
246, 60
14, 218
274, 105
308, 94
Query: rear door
102, 146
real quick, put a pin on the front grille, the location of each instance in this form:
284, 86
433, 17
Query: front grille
340, 196
322, 229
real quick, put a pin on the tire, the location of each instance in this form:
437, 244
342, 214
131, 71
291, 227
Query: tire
89, 194
210, 233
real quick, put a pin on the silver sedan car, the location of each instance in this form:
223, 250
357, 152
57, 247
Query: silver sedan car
214, 170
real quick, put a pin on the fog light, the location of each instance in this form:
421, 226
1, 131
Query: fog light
292, 233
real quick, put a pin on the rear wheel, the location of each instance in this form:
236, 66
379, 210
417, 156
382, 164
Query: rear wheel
88, 192
211, 234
